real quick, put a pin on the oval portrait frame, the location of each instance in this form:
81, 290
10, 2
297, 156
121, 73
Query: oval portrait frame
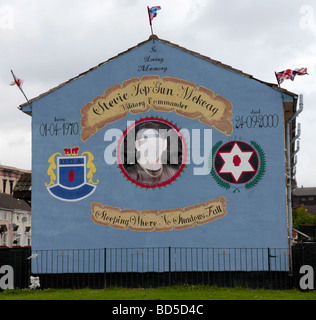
184, 153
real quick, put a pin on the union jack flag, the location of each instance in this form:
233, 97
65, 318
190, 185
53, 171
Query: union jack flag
153, 12
289, 74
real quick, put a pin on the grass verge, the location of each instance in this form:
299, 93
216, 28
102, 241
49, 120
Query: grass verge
163, 293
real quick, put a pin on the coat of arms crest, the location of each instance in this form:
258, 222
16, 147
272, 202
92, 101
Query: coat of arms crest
70, 181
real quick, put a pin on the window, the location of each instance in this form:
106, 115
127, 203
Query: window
5, 239
11, 186
6, 215
4, 185
17, 240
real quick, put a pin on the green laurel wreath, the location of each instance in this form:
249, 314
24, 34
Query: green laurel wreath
253, 182
262, 166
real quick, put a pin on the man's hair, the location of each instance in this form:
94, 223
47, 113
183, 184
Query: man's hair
174, 149
159, 127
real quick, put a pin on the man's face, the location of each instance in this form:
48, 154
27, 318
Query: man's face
150, 145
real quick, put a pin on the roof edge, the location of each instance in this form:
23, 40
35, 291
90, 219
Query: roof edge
154, 37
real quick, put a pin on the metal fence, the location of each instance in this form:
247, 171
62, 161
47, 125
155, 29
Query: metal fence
162, 266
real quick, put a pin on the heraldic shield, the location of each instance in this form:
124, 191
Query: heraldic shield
71, 176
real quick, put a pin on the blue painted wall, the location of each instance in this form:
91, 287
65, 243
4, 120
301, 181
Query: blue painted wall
256, 217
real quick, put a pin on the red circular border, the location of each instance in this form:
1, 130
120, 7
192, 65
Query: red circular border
175, 176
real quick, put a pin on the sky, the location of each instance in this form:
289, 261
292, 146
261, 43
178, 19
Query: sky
47, 42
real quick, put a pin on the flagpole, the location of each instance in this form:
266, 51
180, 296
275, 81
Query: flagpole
19, 87
151, 27
279, 84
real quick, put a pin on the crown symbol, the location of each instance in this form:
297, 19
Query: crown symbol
72, 151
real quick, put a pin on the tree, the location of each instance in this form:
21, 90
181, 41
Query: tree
301, 216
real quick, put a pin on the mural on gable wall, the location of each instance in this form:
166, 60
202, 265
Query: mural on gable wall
153, 148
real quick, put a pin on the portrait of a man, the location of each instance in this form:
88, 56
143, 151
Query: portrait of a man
152, 152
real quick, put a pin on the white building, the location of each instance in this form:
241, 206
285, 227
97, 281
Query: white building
15, 212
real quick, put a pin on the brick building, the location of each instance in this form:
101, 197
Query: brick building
9, 177
306, 197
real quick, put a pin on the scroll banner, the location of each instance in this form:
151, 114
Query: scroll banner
166, 94
163, 220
